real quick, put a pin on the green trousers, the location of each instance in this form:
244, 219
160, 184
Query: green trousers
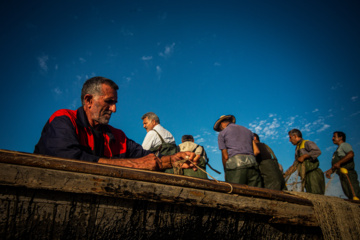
315, 181
249, 176
346, 186
271, 175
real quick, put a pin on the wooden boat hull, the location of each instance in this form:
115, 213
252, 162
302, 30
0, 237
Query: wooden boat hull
52, 198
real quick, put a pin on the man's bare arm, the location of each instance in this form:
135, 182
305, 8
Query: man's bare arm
224, 156
151, 162
350, 155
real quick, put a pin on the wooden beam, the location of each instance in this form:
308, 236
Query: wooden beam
47, 162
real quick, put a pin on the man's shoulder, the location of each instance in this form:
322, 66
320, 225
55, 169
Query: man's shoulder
189, 146
64, 112
116, 131
346, 147
160, 128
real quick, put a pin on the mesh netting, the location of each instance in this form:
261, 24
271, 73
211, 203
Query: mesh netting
338, 219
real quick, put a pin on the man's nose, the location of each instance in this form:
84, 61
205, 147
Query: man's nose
113, 107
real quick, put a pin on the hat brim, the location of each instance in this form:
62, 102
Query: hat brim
222, 118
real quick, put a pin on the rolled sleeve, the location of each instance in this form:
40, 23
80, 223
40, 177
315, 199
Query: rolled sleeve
221, 142
312, 149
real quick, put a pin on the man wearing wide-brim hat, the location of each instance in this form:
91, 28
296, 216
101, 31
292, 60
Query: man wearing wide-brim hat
237, 149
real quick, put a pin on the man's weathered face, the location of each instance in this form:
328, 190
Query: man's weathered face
223, 125
336, 139
293, 139
102, 106
148, 124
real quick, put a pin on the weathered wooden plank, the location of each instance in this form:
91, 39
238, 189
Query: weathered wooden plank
52, 198
143, 175
72, 182
42, 214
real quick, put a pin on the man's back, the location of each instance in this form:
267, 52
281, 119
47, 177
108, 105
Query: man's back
236, 139
153, 140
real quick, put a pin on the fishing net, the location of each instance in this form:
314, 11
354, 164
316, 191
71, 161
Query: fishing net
338, 218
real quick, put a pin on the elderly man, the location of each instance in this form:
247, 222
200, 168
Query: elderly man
85, 134
156, 134
343, 157
238, 149
307, 163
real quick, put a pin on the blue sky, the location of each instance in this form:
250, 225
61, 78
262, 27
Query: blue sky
275, 65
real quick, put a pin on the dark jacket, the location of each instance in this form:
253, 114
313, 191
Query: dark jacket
67, 134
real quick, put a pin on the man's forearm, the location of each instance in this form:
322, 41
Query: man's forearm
165, 162
148, 162
347, 158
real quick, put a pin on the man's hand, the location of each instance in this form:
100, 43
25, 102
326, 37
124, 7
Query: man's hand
301, 158
186, 156
328, 173
336, 165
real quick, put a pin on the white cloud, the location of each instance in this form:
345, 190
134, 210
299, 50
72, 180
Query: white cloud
274, 128
158, 71
355, 113
315, 110
337, 85
82, 60
197, 136
57, 91
126, 32
146, 58
43, 62
217, 64
354, 98
200, 140
324, 127
266, 128
127, 79
169, 49
331, 148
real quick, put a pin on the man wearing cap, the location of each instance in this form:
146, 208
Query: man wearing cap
188, 145
238, 151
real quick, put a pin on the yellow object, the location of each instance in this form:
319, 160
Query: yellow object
344, 170
356, 198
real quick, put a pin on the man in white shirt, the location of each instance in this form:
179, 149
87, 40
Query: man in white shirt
155, 132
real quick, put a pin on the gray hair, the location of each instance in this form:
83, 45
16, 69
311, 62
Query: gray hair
93, 86
151, 116
296, 132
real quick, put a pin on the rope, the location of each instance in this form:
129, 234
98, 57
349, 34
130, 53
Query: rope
180, 163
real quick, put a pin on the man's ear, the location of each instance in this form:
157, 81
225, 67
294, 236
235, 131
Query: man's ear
88, 99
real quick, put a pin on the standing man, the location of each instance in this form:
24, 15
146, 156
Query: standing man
85, 133
188, 145
307, 163
237, 149
343, 157
271, 175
